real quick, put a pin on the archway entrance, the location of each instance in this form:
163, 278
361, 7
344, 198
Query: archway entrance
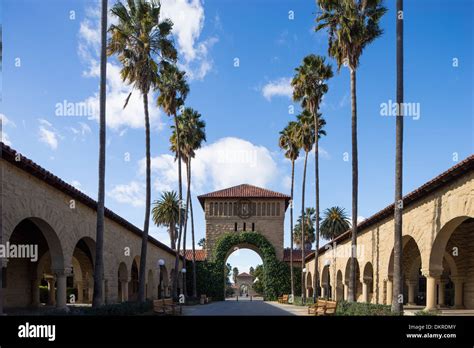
450, 269
37, 270
245, 274
81, 282
273, 269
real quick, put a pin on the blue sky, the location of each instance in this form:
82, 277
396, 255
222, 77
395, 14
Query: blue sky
50, 57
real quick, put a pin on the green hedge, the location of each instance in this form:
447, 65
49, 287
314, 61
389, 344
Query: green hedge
210, 273
368, 309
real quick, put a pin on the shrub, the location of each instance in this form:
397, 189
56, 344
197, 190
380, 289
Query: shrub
297, 301
368, 309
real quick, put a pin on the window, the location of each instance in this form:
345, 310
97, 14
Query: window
253, 208
235, 209
216, 210
221, 209
225, 209
259, 209
211, 208
273, 209
278, 209
268, 209
253, 226
263, 209
235, 227
245, 227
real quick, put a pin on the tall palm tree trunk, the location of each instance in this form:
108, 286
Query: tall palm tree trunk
142, 270
188, 197
291, 228
192, 234
97, 299
397, 305
352, 291
316, 204
180, 224
303, 274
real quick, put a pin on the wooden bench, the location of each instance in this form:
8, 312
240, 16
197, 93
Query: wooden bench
283, 299
323, 307
166, 306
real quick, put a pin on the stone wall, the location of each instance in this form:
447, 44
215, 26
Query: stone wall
271, 227
64, 222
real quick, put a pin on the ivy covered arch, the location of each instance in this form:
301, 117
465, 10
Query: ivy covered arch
276, 273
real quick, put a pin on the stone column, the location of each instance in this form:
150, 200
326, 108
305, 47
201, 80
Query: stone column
61, 295
458, 291
441, 292
365, 291
80, 292
346, 290
124, 285
389, 291
411, 284
432, 278
323, 291
35, 293
52, 291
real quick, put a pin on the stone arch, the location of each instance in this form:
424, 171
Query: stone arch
309, 285
258, 243
133, 284
22, 273
368, 282
326, 282
122, 282
339, 286
347, 275
439, 245
164, 283
450, 265
82, 260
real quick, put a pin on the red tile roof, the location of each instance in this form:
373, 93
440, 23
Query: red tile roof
200, 255
296, 254
8, 154
244, 274
244, 191
458, 170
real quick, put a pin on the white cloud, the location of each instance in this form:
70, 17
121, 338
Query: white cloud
48, 134
81, 131
132, 193
226, 162
278, 88
188, 22
5, 122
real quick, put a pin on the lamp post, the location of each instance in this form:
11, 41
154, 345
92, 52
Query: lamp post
161, 263
183, 272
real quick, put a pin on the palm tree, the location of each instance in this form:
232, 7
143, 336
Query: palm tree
288, 142
397, 305
309, 87
97, 299
351, 25
137, 39
335, 222
309, 230
165, 212
173, 91
192, 133
235, 273
305, 139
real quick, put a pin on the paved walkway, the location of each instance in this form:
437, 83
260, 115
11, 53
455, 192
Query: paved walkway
255, 307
